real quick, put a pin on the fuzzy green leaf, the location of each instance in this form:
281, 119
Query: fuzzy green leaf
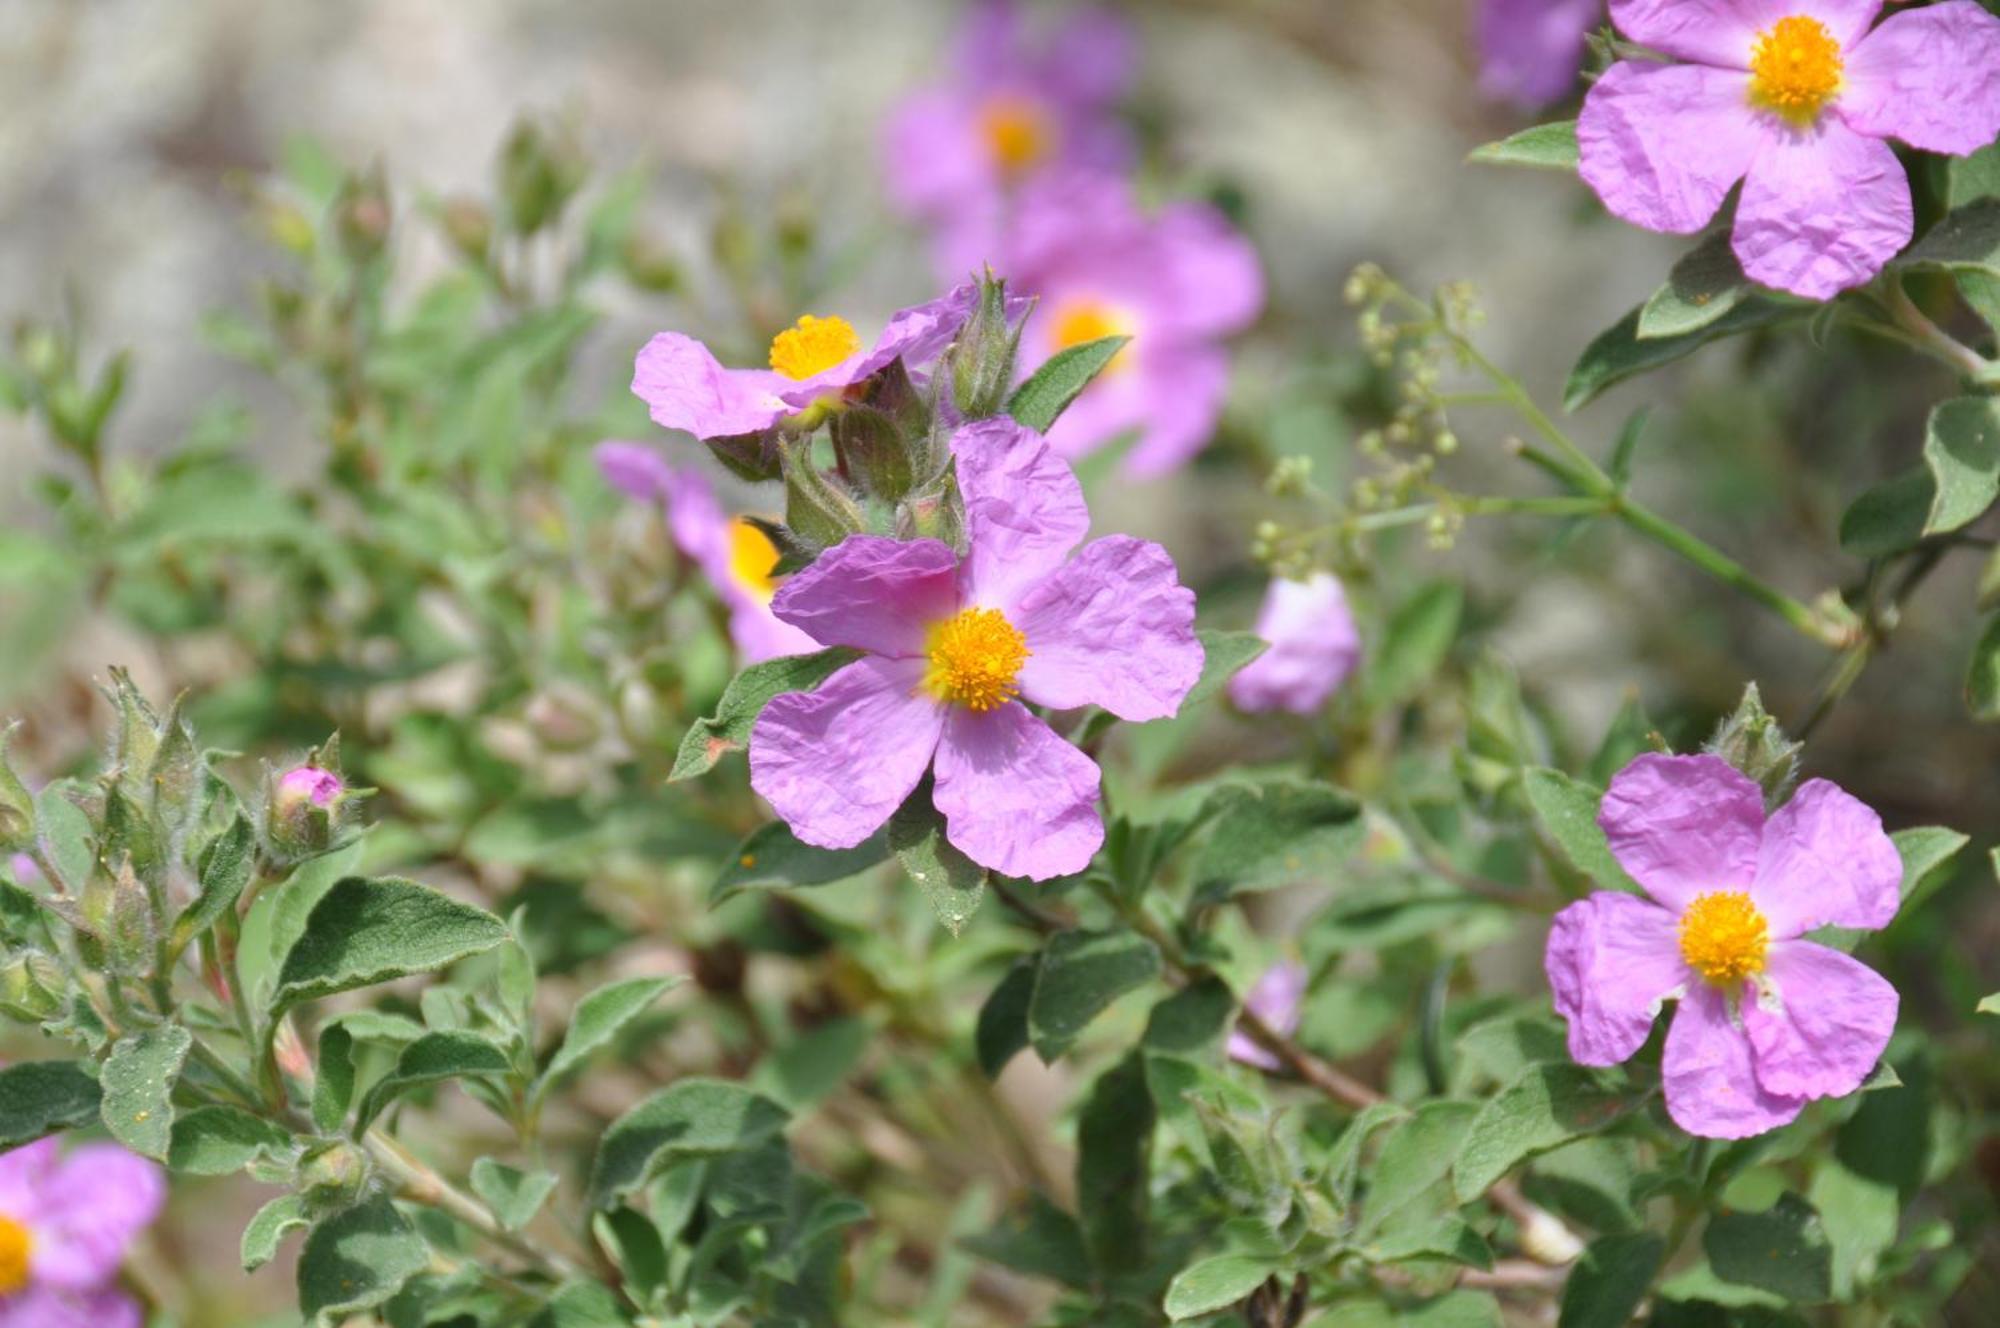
284, 1214
728, 729
356, 1260
1215, 1284
369, 930
1040, 402
693, 1118
1783, 1251
1272, 833
225, 868
772, 858
1889, 517
139, 1079
1704, 286
952, 882
514, 1197
1002, 1031
433, 1058
1546, 1106
1566, 809
1618, 353
1081, 974
38, 1098
1545, 147
600, 1017
1962, 451
1609, 1281
1982, 675
218, 1140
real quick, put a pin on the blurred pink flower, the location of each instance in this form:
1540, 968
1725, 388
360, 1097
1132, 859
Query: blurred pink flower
22, 868
1795, 99
1313, 647
1278, 999
732, 553
65, 1224
1531, 51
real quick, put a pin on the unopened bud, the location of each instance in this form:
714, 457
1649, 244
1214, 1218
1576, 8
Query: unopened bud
540, 170
982, 361
32, 987
469, 226
335, 1170
648, 265
1751, 740
308, 808
361, 215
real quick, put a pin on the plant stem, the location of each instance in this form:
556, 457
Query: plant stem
417, 1183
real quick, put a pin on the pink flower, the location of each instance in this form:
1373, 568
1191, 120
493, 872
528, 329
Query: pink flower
687, 388
65, 1224
1277, 999
1532, 50
1766, 1021
1313, 647
310, 784
735, 556
954, 646
1012, 110
1794, 98
1176, 283
23, 869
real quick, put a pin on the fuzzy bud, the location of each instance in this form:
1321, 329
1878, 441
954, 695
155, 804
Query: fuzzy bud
1751, 740
32, 987
982, 361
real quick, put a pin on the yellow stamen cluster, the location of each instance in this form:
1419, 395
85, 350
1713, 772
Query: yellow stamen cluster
752, 557
1076, 321
1795, 68
17, 1247
813, 345
975, 656
1017, 133
1724, 937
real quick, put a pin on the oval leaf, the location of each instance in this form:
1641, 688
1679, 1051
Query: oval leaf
369, 930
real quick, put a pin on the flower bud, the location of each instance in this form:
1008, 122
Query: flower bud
32, 987
469, 227
309, 807
540, 170
17, 805
1751, 741
361, 215
333, 1171
982, 361
648, 265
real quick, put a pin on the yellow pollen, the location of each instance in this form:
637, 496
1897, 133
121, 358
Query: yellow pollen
975, 656
1017, 132
1076, 321
17, 1244
752, 557
813, 345
1724, 937
1795, 68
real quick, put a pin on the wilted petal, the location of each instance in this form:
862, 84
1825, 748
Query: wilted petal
1024, 509
1313, 647
1822, 211
93, 1203
835, 763
1016, 798
1930, 77
1710, 1081
1113, 627
873, 593
1663, 144
685, 387
1683, 826
1826, 862
1612, 959
1821, 1023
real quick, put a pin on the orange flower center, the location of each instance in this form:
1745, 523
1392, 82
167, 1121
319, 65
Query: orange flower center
1795, 68
813, 345
1083, 319
975, 656
1724, 937
1017, 133
752, 557
17, 1245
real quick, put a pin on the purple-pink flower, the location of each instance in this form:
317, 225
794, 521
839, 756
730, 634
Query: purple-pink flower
1278, 999
1313, 647
953, 647
309, 784
1176, 282
65, 1224
22, 868
685, 387
1531, 51
1014, 108
1795, 99
1766, 1021
735, 556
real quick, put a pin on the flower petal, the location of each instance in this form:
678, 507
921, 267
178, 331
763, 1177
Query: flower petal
1820, 1023
1683, 826
873, 593
1185, 387
1710, 1081
934, 162
1313, 647
1712, 32
1016, 798
1113, 627
836, 762
24, 1176
1825, 862
1278, 998
686, 388
634, 469
1612, 959
1211, 283
1930, 77
1092, 58
95, 1201
45, 1307
1024, 509
1531, 51
1662, 144
1822, 211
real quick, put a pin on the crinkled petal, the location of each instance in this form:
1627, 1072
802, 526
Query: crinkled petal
1819, 1021
1825, 862
1016, 798
1024, 510
1707, 1071
1663, 144
1683, 826
634, 469
685, 387
46, 1307
1278, 998
1313, 646
95, 1201
836, 762
1724, 32
1930, 77
1211, 282
1113, 627
1531, 51
873, 593
1612, 959
1822, 211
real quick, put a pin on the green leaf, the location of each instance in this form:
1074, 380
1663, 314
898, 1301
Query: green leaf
1546, 1106
772, 858
1040, 401
1415, 1156
139, 1079
952, 882
1618, 353
1982, 676
217, 1140
591, 1305
1215, 1284
368, 930
728, 729
1610, 1280
1962, 450
1860, 1215
1192, 1021
1704, 286
600, 1017
1965, 241
38, 1098
1274, 832
1002, 1031
65, 832
1889, 517
1414, 644
513, 1197
1547, 147
356, 1260
1040, 1240
430, 1059
1114, 1146
17, 805
1784, 1251
1925, 851
225, 868
273, 1221
806, 1069
333, 1086
1081, 974
1566, 809
693, 1118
